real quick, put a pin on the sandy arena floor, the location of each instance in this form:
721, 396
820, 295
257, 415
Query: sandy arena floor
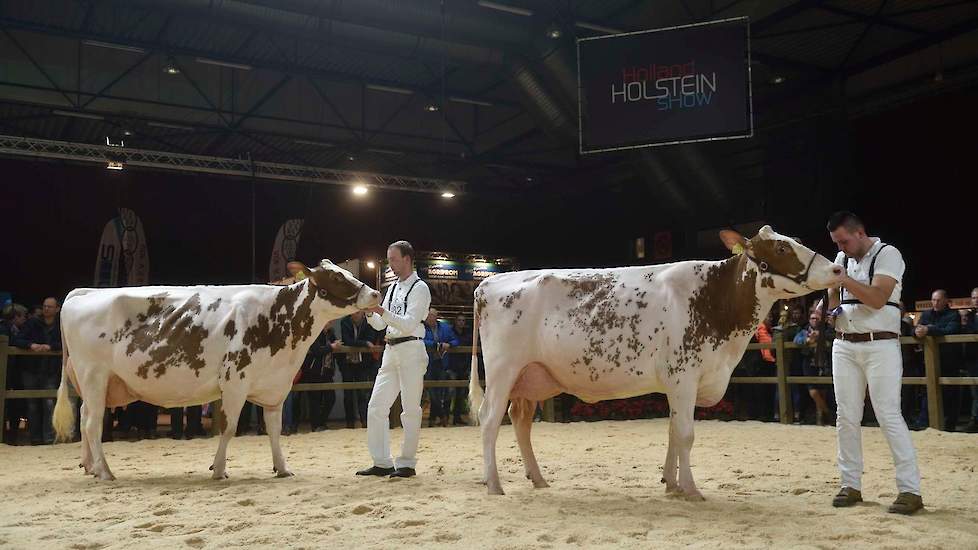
767, 486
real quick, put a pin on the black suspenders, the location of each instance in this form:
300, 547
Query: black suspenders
390, 295
872, 271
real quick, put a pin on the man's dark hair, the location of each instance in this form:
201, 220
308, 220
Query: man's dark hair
844, 218
404, 248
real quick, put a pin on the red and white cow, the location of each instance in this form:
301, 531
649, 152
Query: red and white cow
181, 346
678, 329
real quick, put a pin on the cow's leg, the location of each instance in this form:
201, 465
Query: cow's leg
95, 411
669, 468
86, 451
231, 406
521, 413
682, 404
491, 414
273, 425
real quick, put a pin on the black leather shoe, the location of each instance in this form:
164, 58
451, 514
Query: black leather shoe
403, 472
376, 471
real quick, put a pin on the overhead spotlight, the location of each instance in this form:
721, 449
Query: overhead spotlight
431, 107
554, 32
351, 157
448, 195
529, 179
777, 80
360, 189
371, 265
170, 67
127, 133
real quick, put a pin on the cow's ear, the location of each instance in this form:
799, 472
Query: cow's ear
735, 242
325, 262
309, 275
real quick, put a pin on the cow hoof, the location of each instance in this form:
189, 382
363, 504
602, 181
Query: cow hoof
219, 477
540, 484
693, 496
496, 491
284, 473
105, 476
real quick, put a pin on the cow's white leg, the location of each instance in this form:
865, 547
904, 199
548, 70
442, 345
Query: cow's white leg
491, 414
231, 406
521, 413
273, 425
683, 404
669, 468
95, 409
86, 451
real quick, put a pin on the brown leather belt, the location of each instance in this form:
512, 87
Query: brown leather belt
866, 336
396, 341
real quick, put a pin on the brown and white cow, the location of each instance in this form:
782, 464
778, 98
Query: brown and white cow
677, 329
181, 346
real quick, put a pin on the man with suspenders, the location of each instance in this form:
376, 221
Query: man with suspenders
402, 368
867, 351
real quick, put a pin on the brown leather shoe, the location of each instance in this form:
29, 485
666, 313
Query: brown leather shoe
847, 497
906, 503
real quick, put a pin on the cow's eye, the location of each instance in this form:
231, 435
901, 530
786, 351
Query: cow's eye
323, 293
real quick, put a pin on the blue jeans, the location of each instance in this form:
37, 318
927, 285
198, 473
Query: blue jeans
973, 371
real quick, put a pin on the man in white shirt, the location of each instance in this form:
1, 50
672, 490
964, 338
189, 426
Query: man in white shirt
867, 351
402, 369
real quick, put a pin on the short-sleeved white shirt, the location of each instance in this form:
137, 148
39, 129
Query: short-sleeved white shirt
859, 318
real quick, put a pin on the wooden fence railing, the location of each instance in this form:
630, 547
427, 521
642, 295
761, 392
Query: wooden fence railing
932, 378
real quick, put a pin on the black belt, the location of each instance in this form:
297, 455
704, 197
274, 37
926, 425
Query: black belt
866, 336
396, 341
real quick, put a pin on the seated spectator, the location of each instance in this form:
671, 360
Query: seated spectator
816, 361
438, 338
41, 373
940, 320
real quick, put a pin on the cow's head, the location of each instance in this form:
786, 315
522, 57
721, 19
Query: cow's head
784, 266
340, 288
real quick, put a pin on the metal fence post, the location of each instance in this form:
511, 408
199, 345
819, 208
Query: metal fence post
932, 371
785, 407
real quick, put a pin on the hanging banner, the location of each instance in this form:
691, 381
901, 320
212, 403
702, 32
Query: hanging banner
665, 86
123, 255
283, 251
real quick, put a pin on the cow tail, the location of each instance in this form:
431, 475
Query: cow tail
63, 419
476, 395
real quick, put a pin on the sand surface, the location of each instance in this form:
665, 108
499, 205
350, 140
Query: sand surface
767, 486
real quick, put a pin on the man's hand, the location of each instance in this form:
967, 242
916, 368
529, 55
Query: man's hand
335, 345
443, 347
40, 347
920, 331
370, 344
378, 310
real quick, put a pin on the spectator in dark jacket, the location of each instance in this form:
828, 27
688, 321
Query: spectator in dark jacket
318, 368
356, 366
13, 322
41, 373
941, 320
459, 365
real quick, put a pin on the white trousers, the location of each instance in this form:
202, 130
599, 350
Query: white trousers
401, 371
878, 364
